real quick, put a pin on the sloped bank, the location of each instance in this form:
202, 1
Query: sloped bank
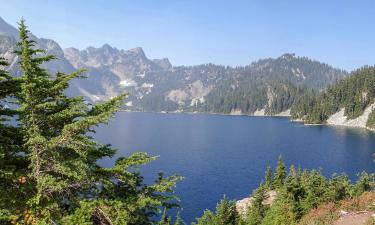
339, 119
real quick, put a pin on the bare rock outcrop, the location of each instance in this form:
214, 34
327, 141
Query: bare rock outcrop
243, 204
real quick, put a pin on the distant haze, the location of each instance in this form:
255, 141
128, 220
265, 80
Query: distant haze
221, 32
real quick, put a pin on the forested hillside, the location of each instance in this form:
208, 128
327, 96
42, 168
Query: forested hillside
352, 96
268, 86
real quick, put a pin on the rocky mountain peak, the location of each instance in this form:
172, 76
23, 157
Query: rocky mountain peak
7, 29
163, 63
288, 56
137, 51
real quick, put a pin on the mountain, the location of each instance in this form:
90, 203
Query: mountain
350, 102
268, 86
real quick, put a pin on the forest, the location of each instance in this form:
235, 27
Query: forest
354, 93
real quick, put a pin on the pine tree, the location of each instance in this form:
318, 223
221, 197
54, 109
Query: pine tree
280, 173
226, 213
257, 210
178, 220
208, 218
68, 185
54, 127
165, 219
268, 178
281, 211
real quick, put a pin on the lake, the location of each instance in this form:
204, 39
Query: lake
227, 155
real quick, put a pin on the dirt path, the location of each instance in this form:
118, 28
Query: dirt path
354, 218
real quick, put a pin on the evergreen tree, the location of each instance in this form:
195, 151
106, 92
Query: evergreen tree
257, 210
68, 185
165, 219
208, 218
226, 213
268, 178
280, 173
281, 212
178, 220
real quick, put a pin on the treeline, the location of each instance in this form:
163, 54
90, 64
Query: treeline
298, 192
49, 171
270, 84
251, 95
354, 93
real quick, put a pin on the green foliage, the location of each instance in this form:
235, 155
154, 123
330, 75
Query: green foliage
252, 95
48, 158
353, 93
281, 212
280, 173
257, 210
178, 220
371, 120
300, 192
14, 191
268, 180
225, 214
365, 183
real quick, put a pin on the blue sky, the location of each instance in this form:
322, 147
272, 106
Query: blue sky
340, 33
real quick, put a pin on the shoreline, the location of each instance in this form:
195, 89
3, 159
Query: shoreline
208, 113
250, 115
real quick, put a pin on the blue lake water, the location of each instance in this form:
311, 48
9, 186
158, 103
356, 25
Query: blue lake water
228, 155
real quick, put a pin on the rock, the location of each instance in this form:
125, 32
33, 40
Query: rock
243, 204
342, 212
341, 120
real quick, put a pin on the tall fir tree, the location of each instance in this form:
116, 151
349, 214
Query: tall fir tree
257, 210
280, 173
226, 213
268, 180
68, 184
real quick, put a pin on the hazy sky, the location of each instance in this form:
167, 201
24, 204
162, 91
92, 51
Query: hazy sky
340, 33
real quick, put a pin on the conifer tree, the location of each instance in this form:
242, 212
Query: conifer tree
257, 210
68, 184
208, 218
165, 219
226, 213
178, 220
280, 173
268, 178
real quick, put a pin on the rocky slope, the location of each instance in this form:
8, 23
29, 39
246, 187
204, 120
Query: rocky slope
348, 103
339, 118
